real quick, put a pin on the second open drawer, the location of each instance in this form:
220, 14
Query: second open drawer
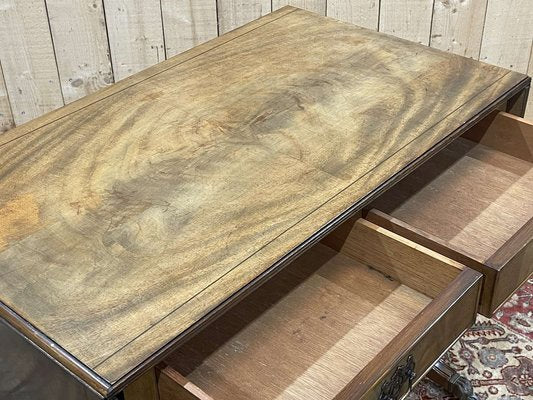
473, 202
335, 324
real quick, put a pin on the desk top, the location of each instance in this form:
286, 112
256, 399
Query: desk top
130, 215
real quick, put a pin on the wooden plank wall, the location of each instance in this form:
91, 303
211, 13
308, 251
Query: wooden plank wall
53, 52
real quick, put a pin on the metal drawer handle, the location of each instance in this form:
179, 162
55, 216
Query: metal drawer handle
391, 389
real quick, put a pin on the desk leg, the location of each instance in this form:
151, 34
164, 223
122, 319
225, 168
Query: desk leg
516, 105
144, 388
450, 380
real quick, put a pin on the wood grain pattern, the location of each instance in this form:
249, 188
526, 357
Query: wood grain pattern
144, 388
437, 200
168, 207
174, 386
406, 19
28, 61
316, 6
440, 246
234, 13
363, 13
514, 263
507, 40
394, 255
503, 187
305, 334
135, 34
188, 23
426, 339
6, 117
80, 42
458, 26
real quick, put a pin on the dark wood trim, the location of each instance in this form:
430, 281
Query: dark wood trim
158, 356
517, 104
512, 246
436, 244
63, 358
427, 337
88, 375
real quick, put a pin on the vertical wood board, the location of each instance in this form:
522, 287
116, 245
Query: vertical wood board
508, 34
28, 61
188, 23
80, 41
363, 13
407, 19
317, 6
135, 32
458, 26
6, 118
234, 13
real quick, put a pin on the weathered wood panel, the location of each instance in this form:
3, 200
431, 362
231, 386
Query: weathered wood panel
234, 13
508, 34
80, 41
135, 30
28, 60
363, 13
407, 19
188, 23
458, 26
6, 117
120, 184
316, 6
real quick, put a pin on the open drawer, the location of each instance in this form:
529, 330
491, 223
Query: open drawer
338, 322
473, 202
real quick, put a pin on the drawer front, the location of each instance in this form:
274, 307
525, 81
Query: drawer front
514, 264
381, 267
436, 329
473, 202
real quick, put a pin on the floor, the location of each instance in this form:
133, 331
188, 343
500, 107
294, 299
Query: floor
496, 354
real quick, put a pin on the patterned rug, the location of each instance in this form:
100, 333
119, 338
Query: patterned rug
496, 354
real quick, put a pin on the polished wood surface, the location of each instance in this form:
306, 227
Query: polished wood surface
473, 203
134, 212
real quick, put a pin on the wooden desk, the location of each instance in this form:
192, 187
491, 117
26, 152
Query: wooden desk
132, 218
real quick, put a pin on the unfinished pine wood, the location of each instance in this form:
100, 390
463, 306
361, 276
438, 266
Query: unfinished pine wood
458, 26
6, 117
508, 33
143, 208
317, 6
442, 322
438, 199
303, 335
80, 42
234, 13
28, 61
188, 23
172, 385
406, 19
394, 255
363, 13
135, 33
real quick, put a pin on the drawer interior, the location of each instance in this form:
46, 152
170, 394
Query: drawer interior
475, 194
307, 332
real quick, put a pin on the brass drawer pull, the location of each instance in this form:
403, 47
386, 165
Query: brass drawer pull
391, 389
